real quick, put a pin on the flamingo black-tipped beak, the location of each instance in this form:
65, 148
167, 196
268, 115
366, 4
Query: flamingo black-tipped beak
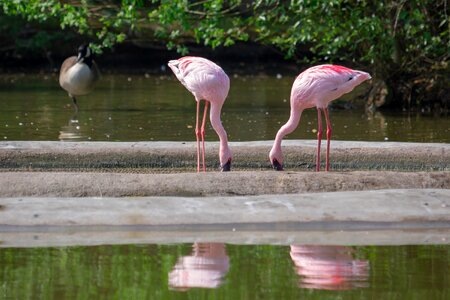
277, 166
226, 167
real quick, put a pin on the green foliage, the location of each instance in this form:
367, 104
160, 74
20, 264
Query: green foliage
364, 31
211, 23
106, 23
391, 38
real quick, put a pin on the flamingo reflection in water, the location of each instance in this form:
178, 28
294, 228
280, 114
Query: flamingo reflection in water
205, 268
329, 268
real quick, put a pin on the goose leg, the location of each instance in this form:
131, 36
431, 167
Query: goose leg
74, 100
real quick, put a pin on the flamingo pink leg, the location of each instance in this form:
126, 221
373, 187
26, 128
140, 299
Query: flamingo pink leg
319, 138
327, 119
197, 134
202, 131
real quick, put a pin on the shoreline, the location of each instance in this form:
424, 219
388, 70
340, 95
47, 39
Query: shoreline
95, 193
169, 157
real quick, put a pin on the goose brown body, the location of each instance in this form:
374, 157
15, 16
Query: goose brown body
79, 74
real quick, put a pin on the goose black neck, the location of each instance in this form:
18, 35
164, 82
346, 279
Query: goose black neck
88, 61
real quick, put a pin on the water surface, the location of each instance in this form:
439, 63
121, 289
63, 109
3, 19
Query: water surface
225, 271
158, 108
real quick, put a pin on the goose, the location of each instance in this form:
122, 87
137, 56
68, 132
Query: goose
79, 74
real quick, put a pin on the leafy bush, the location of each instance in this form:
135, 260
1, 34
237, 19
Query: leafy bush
404, 44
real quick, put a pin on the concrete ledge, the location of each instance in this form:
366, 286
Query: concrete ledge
76, 203
61, 237
374, 217
181, 156
384, 206
88, 184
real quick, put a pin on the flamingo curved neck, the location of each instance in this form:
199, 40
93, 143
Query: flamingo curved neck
216, 123
287, 128
224, 150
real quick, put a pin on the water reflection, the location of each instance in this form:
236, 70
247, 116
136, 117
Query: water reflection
204, 268
72, 130
378, 124
329, 268
140, 271
319, 267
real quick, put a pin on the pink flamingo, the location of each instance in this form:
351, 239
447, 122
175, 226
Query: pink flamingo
206, 81
317, 86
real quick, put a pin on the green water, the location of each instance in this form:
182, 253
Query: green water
158, 108
224, 271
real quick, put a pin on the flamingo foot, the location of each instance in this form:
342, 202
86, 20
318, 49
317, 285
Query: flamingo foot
277, 166
226, 167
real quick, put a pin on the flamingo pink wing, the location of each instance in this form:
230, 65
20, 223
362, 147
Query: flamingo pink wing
203, 78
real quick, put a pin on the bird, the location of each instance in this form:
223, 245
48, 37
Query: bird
316, 87
79, 74
209, 82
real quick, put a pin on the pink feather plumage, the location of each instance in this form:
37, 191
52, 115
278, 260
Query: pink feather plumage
316, 87
206, 81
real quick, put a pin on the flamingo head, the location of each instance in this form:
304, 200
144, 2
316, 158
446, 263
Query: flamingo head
276, 159
226, 166
225, 156
277, 165
362, 76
